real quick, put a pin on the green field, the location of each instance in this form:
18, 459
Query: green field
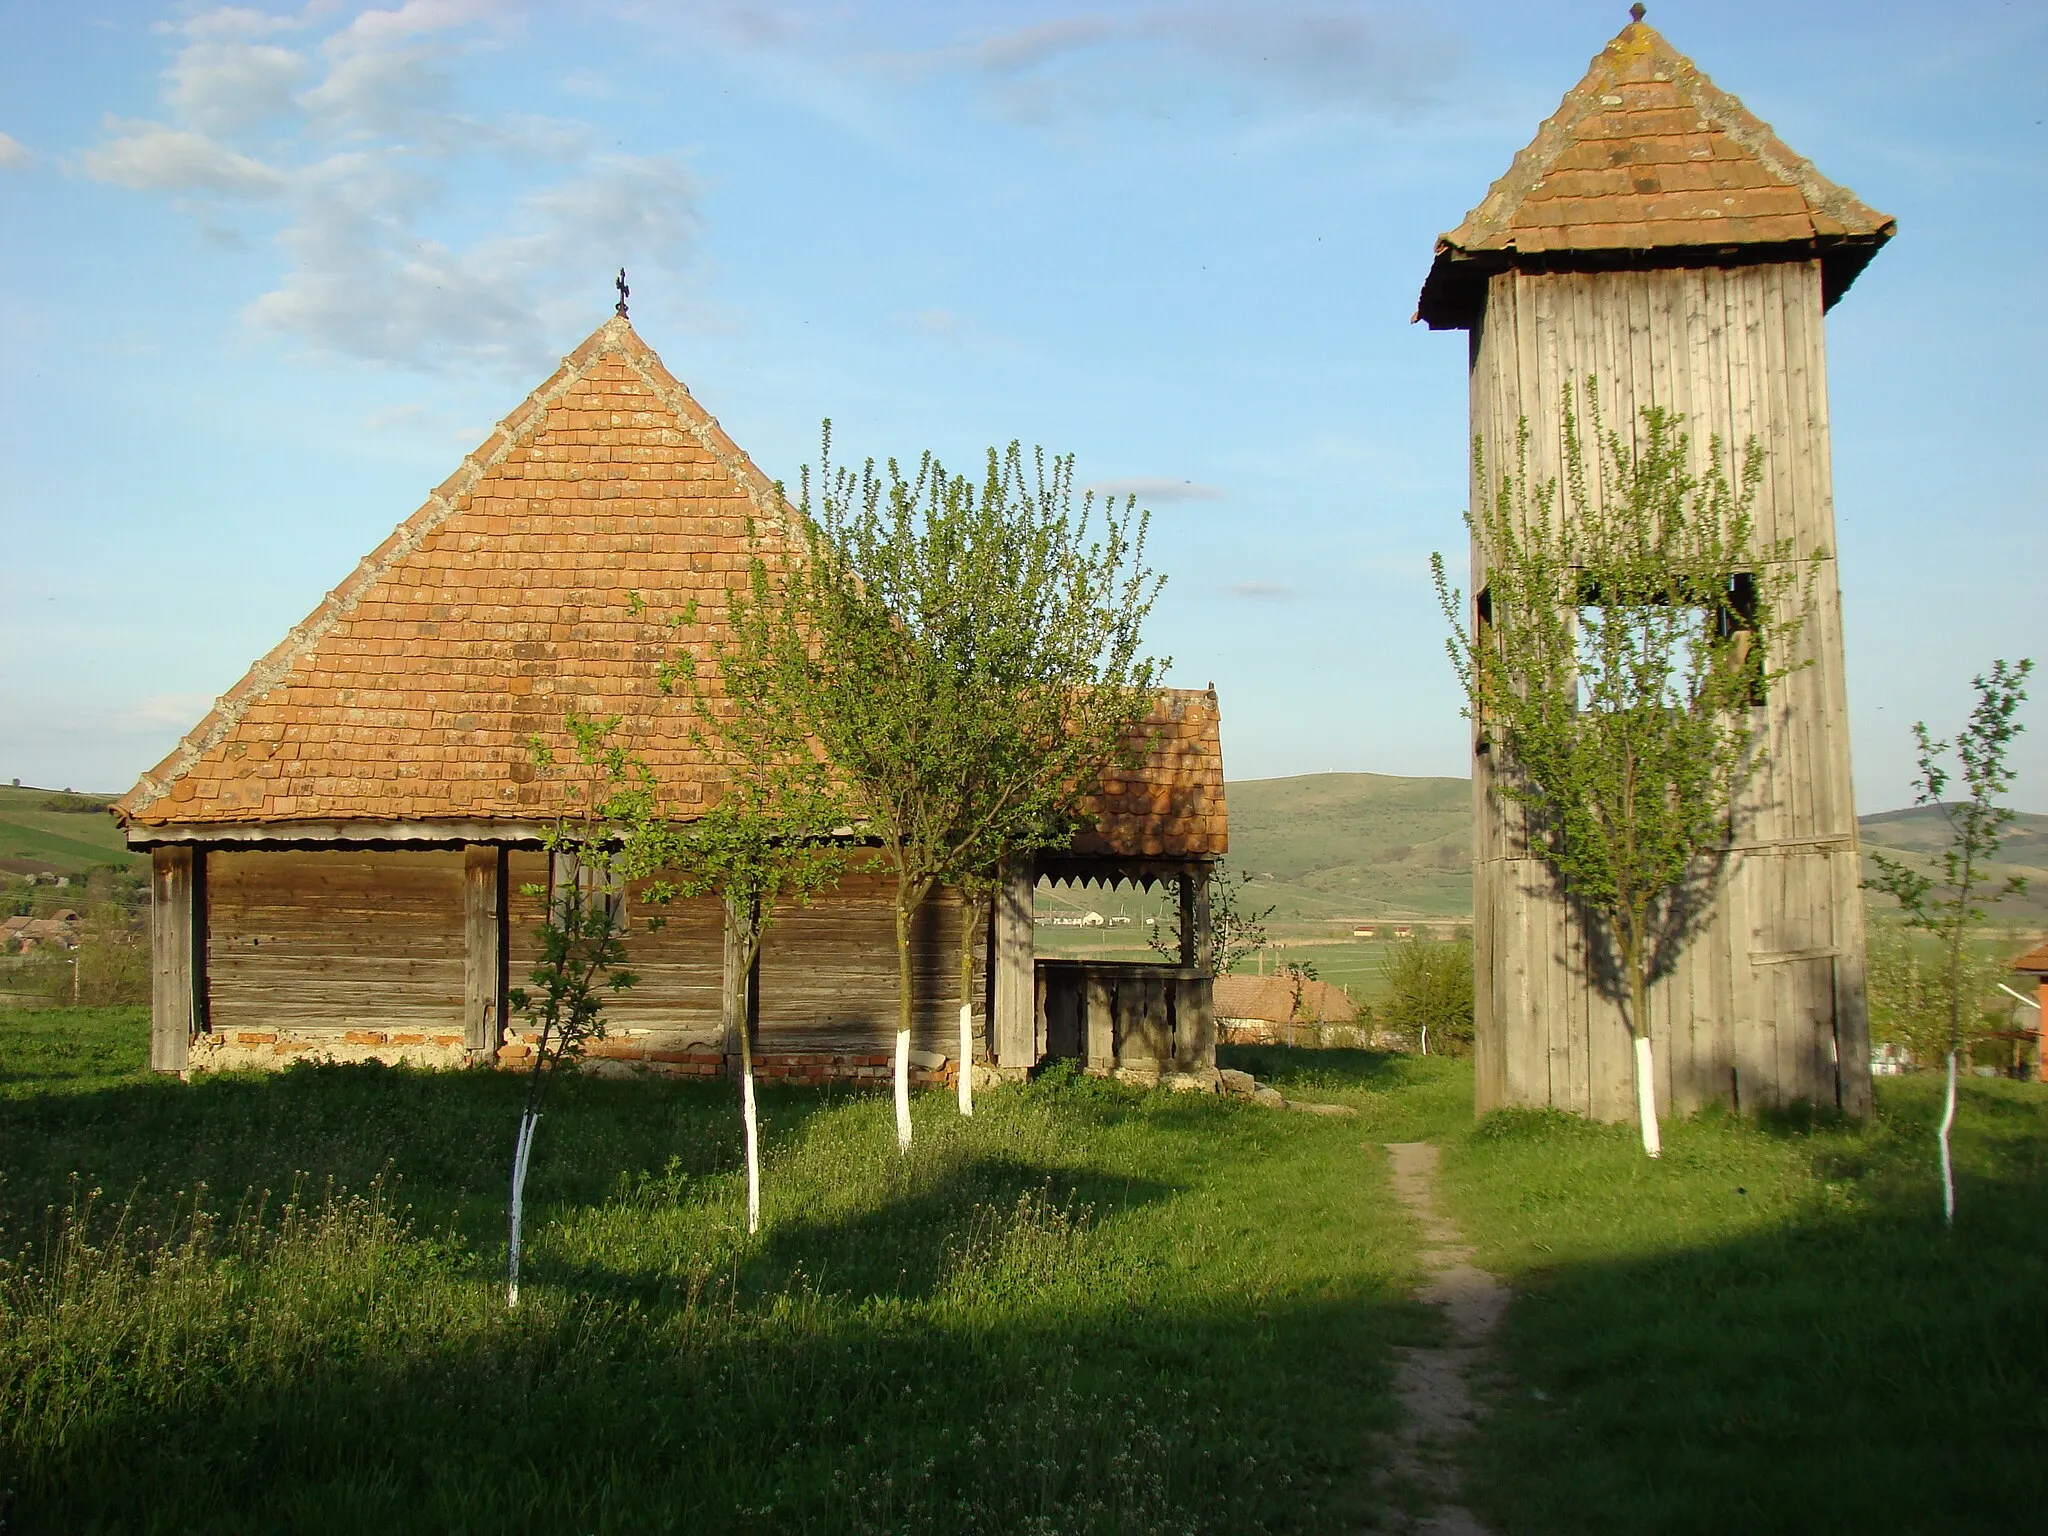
64, 842
1354, 845
1334, 847
275, 1302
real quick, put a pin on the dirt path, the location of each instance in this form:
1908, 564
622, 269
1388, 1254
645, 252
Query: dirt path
1435, 1385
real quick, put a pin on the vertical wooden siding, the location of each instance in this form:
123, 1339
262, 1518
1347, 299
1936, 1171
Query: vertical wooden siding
335, 939
679, 965
828, 974
828, 970
1766, 1003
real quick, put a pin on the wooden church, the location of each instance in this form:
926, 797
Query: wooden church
1657, 238
340, 847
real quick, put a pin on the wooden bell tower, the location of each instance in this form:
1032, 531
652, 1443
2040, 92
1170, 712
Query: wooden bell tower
1659, 239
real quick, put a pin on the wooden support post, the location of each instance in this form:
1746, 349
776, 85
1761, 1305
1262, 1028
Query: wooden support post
1194, 1023
1204, 958
1098, 1024
177, 935
482, 967
1016, 1031
1190, 940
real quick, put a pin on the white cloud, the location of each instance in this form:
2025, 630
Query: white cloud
1156, 490
15, 155
418, 18
222, 88
233, 22
1300, 54
152, 157
387, 257
178, 711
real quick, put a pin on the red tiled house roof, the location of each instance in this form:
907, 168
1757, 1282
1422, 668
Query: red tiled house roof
2034, 960
1646, 155
408, 698
1272, 998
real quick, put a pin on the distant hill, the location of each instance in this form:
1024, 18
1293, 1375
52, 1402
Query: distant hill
49, 831
1917, 835
1334, 845
1368, 845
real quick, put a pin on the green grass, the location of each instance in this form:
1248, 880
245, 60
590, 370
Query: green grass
1088, 1309
1767, 1330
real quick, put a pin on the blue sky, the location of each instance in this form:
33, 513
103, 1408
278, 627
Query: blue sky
267, 273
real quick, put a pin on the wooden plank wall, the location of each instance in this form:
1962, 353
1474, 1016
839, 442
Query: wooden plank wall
828, 974
1766, 1004
330, 939
679, 965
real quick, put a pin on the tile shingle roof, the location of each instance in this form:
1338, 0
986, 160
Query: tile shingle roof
410, 695
1646, 159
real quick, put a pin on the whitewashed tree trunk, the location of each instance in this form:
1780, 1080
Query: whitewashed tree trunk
521, 1154
967, 1060
753, 1152
1646, 1097
1948, 1170
903, 1091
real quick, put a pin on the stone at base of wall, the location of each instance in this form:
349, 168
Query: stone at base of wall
1357, 1037
269, 1049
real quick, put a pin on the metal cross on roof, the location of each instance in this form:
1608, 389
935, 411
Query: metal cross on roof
620, 308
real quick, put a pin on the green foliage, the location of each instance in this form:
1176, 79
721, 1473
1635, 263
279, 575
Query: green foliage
1626, 629
1907, 984
1237, 924
965, 656
1428, 993
1949, 907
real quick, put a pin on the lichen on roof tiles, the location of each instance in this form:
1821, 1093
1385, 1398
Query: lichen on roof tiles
414, 691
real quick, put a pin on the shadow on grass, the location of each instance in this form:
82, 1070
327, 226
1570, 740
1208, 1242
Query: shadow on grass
445, 1138
1856, 1367
1373, 1071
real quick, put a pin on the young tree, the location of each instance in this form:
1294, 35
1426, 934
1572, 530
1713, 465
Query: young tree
1429, 987
774, 836
582, 946
1948, 907
1626, 629
1237, 927
967, 659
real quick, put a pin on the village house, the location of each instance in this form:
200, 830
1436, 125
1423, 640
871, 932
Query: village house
1287, 1010
342, 849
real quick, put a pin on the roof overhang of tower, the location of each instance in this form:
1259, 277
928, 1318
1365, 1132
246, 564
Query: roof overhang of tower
1646, 163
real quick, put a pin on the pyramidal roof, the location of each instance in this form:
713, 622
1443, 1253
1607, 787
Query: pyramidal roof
1647, 162
405, 705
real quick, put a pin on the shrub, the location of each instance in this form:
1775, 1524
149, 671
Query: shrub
1429, 994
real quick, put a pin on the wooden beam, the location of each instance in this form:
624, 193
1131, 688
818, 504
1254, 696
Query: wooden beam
176, 934
1016, 1031
1098, 1024
1190, 937
482, 963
